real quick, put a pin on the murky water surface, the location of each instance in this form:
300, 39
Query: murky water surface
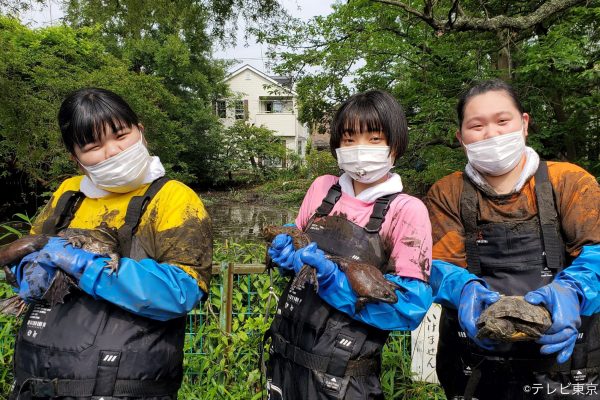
244, 221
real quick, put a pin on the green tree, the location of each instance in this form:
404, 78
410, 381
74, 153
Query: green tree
174, 41
251, 146
38, 68
166, 39
14, 7
427, 52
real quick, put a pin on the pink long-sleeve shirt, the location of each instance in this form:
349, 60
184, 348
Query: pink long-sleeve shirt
406, 225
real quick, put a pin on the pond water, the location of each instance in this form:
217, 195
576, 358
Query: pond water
233, 220
243, 222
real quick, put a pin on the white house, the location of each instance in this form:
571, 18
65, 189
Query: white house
264, 100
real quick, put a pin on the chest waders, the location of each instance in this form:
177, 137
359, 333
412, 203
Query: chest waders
92, 349
515, 258
318, 352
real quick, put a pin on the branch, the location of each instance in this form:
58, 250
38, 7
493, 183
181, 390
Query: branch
426, 16
495, 24
518, 23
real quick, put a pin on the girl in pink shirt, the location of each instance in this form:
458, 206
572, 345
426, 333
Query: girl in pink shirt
326, 342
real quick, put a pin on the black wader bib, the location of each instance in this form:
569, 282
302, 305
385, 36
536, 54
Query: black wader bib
515, 258
92, 349
318, 352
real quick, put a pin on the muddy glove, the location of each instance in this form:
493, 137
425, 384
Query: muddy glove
58, 253
562, 299
33, 278
475, 298
282, 251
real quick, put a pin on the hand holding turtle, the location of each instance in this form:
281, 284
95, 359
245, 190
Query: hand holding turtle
282, 251
315, 257
33, 279
59, 253
474, 298
562, 299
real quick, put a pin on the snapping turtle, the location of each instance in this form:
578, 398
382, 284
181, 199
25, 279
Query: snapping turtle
366, 280
512, 319
102, 240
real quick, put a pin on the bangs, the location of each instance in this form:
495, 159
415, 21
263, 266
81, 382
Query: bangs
358, 118
96, 120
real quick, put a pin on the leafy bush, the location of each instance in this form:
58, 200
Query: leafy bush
321, 163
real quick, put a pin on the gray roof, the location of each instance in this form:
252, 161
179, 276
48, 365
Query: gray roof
283, 80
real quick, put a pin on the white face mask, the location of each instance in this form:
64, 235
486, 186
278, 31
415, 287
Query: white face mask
365, 164
123, 172
498, 155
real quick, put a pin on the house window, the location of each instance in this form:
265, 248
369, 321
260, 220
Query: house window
240, 112
221, 108
276, 106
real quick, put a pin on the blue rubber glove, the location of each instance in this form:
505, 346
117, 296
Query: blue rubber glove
282, 251
313, 256
58, 253
475, 298
144, 287
585, 270
447, 282
562, 299
33, 278
334, 288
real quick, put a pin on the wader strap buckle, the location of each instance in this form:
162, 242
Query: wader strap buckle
380, 208
135, 209
65, 210
333, 195
106, 374
43, 387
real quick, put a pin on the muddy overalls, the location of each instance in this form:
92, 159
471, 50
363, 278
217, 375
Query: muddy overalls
318, 352
88, 348
515, 258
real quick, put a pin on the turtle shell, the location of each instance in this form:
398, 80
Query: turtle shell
513, 319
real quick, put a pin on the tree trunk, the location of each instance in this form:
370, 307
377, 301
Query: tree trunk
503, 63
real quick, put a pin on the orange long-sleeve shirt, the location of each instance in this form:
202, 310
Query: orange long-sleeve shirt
577, 196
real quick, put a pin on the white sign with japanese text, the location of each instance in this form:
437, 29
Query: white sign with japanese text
424, 342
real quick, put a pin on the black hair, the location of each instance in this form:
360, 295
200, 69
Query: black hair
371, 111
86, 113
484, 87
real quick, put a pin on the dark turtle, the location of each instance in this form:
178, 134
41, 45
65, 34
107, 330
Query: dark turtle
512, 319
102, 240
299, 240
366, 280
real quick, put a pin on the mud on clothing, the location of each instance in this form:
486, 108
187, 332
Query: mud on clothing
577, 203
406, 230
89, 348
174, 229
319, 352
511, 252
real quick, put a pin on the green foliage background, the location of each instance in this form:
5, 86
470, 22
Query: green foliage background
366, 44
